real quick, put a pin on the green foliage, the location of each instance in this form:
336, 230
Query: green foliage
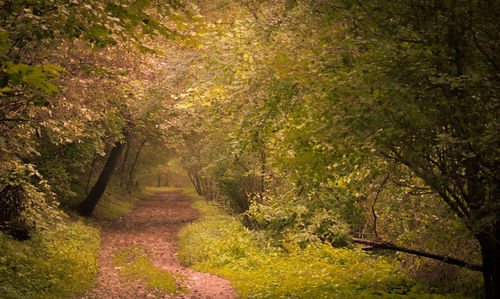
26, 201
301, 221
113, 205
60, 120
58, 262
33, 76
230, 239
335, 118
220, 244
135, 265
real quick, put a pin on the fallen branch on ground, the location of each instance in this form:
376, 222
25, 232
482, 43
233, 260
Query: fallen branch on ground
374, 245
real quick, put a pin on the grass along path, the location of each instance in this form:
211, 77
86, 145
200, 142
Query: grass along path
218, 243
139, 260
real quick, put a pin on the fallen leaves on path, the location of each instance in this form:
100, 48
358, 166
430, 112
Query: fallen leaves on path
153, 225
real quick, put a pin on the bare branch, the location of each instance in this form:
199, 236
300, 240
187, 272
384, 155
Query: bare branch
445, 259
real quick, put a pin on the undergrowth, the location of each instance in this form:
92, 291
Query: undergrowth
136, 265
58, 262
219, 244
112, 206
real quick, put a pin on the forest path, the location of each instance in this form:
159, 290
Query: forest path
153, 225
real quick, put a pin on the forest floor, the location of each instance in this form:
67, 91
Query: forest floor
153, 226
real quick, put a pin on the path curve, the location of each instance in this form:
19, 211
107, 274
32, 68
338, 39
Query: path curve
153, 225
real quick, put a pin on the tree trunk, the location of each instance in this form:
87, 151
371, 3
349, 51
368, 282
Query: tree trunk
490, 250
193, 177
90, 175
86, 207
134, 163
124, 164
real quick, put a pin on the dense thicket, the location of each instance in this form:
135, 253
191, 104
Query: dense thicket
379, 120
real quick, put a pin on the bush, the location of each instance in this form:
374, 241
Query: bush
26, 201
219, 244
215, 240
301, 221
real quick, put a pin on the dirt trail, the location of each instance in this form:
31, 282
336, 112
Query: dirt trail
153, 225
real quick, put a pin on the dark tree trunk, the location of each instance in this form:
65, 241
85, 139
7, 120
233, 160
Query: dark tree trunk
490, 249
90, 175
134, 163
193, 177
124, 164
86, 207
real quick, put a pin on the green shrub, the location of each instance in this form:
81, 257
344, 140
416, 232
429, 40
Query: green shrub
215, 240
219, 244
302, 221
26, 201
58, 262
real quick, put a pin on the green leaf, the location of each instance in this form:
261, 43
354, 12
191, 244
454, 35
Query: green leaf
54, 69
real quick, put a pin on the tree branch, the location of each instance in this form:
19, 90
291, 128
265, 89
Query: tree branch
389, 246
375, 201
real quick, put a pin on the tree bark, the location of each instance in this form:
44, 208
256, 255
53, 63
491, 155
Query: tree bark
490, 250
124, 164
86, 207
134, 163
90, 175
193, 177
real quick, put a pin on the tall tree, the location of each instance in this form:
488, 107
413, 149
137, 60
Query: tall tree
427, 98
86, 207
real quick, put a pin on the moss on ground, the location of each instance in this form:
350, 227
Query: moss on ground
112, 206
136, 265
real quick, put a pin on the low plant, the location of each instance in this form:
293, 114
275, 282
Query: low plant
112, 206
26, 201
219, 244
57, 262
